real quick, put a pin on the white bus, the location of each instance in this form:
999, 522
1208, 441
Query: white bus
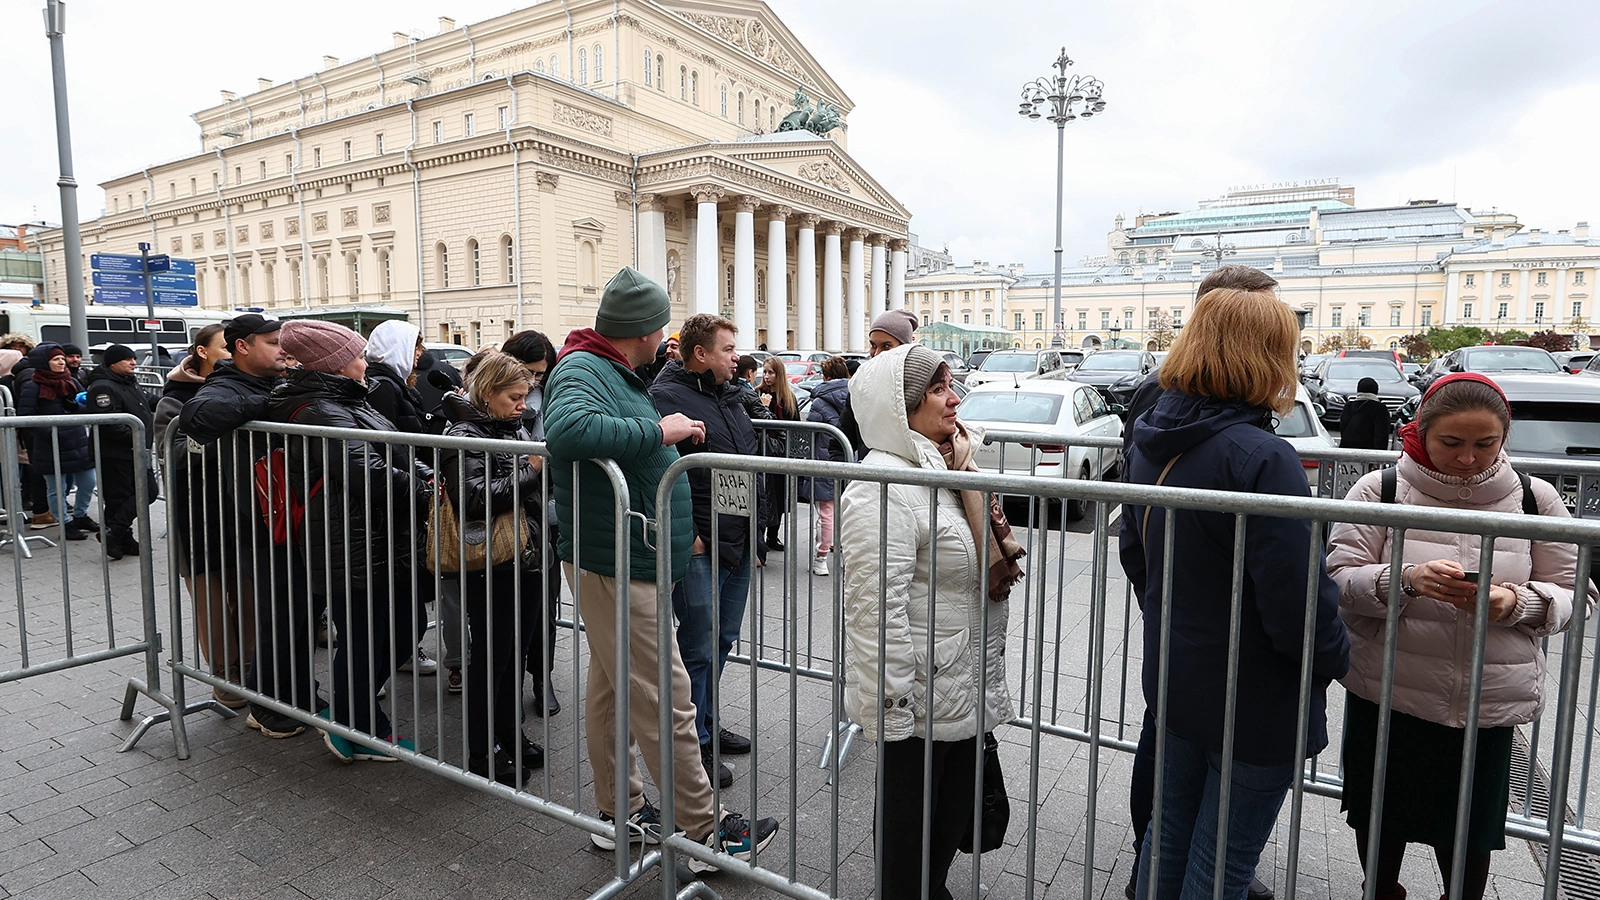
109, 324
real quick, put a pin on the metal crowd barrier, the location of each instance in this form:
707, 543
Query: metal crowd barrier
74, 638
271, 593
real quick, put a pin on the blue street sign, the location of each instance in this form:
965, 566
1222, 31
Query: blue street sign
177, 266
121, 297
177, 298
116, 262
118, 279
174, 282
157, 263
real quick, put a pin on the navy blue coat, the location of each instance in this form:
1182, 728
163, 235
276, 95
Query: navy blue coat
72, 441
1230, 447
828, 401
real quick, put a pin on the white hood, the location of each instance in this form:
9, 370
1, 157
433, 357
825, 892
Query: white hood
394, 343
878, 398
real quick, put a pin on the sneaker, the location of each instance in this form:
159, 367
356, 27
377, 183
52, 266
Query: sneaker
734, 836
113, 547
532, 755
819, 565
228, 698
368, 754
505, 769
130, 547
549, 706
325, 631
1259, 891
421, 662
722, 776
643, 826
41, 521
732, 744
84, 523
77, 534
337, 745
452, 681
273, 724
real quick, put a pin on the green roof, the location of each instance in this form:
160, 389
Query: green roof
1238, 217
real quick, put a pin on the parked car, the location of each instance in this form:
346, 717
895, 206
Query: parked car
1553, 417
1302, 428
1116, 374
1335, 379
454, 354
799, 371
1020, 365
1059, 409
1390, 355
1492, 359
1574, 361
976, 359
1411, 370
1309, 363
958, 366
804, 355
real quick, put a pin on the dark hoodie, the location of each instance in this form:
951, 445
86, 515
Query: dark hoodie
728, 430
1230, 447
1365, 424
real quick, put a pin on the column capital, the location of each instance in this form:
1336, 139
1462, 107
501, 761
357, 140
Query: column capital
652, 203
856, 234
879, 239
548, 181
707, 193
625, 200
779, 213
746, 203
808, 220
900, 245
832, 227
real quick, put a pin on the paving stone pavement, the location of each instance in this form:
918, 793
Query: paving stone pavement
249, 817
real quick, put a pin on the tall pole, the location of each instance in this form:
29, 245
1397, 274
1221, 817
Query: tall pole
149, 304
55, 24
1061, 163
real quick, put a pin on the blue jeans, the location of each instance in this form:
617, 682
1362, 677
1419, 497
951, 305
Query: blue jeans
1190, 797
691, 603
79, 484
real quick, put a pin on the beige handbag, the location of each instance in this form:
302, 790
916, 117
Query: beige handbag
453, 550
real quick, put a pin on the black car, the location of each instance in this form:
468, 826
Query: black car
977, 358
1116, 374
1493, 359
1336, 379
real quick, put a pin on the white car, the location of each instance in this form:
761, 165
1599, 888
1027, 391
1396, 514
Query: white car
455, 354
1014, 366
1302, 427
1056, 408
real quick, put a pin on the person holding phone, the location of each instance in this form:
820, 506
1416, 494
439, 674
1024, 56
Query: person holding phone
1454, 458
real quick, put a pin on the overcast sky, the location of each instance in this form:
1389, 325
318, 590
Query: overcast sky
1492, 104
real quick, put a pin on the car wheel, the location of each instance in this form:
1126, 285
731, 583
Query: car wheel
1076, 508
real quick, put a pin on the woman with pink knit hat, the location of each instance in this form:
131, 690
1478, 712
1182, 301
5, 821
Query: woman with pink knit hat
355, 545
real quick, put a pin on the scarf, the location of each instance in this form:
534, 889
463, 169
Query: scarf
991, 521
1411, 434
54, 385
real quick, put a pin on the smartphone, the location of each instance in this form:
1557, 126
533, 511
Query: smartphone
1470, 576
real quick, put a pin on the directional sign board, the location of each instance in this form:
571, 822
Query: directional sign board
164, 263
119, 279
135, 280
135, 297
116, 262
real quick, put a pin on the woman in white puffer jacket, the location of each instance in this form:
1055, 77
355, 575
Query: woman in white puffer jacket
1454, 459
906, 409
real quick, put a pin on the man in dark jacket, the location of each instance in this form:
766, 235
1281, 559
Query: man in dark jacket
1364, 424
231, 561
112, 388
702, 386
892, 328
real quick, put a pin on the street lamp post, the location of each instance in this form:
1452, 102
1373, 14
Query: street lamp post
55, 26
1218, 250
1077, 97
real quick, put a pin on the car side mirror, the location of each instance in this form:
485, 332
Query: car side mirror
1320, 409
1117, 409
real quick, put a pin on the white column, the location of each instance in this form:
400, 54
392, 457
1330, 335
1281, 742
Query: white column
879, 277
1558, 316
805, 283
856, 302
706, 260
688, 278
744, 266
1521, 309
652, 225
1451, 314
897, 273
777, 279
832, 275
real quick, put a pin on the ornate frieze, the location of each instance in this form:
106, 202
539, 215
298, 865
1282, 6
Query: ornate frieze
826, 174
348, 218
380, 214
582, 119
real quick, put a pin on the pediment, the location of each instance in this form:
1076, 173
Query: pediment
751, 26
588, 223
820, 163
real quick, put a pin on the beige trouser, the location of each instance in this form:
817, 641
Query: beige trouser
597, 601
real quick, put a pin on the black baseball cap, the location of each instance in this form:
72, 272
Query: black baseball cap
248, 325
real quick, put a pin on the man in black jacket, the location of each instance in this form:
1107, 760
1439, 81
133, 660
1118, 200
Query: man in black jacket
112, 388
232, 561
699, 385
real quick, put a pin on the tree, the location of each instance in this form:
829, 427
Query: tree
1355, 340
1550, 340
1331, 344
1160, 331
1509, 336
1444, 340
1417, 347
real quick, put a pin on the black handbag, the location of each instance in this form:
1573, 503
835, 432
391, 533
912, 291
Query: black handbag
996, 814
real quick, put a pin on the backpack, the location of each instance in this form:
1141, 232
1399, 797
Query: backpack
1530, 503
281, 508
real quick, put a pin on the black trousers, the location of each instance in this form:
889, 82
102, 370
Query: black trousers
119, 491
952, 785
365, 656
285, 652
1142, 792
538, 663
495, 658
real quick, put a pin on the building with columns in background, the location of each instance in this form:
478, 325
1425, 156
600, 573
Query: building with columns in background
491, 177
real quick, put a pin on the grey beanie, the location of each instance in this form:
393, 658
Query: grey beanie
897, 323
632, 306
921, 368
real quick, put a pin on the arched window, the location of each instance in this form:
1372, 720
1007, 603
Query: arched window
723, 90
1196, 244
741, 107
649, 68
269, 285
1161, 256
352, 273
245, 293
661, 68
508, 258
772, 117
1140, 259
385, 276
599, 64
538, 66
730, 282
761, 285
441, 266
758, 112
586, 263
555, 66
694, 88
322, 278
583, 66
1122, 258
475, 258
683, 82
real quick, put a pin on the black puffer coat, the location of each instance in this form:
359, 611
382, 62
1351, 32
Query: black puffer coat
71, 441
108, 393
395, 400
479, 491
347, 525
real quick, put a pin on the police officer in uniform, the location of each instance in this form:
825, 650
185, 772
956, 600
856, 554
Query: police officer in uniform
112, 388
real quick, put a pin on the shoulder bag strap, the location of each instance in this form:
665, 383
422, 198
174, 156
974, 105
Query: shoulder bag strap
1144, 527
1391, 480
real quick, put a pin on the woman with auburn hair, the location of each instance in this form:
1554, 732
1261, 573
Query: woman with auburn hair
1230, 372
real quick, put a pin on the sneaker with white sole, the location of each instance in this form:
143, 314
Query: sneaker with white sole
272, 723
819, 565
643, 826
738, 837
422, 662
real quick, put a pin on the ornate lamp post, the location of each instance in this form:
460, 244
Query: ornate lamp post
1218, 249
1116, 335
1077, 97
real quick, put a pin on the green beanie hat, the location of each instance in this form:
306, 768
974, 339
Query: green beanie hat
632, 306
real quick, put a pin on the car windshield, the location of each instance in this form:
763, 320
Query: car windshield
797, 367
1019, 407
1110, 362
1011, 362
1355, 370
1072, 359
1296, 423
1555, 429
1511, 359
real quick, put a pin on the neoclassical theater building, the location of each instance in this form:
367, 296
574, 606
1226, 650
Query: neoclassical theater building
491, 177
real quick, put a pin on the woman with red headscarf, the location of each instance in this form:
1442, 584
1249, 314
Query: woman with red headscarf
1454, 458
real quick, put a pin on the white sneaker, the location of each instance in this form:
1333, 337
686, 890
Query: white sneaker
819, 565
422, 662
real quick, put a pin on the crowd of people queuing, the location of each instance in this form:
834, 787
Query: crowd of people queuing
925, 601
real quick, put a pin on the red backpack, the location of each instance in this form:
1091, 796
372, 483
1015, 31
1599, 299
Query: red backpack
280, 505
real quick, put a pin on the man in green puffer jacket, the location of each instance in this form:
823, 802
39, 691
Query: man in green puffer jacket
597, 408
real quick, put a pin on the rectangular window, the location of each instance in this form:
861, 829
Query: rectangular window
1083, 320
966, 296
925, 318
1541, 279
467, 123
238, 174
1038, 321
1503, 309
1177, 317
1016, 322
1338, 319
1394, 316
988, 296
288, 163
1577, 308
988, 318
1466, 311
1155, 316
193, 187
505, 117
1471, 279
1427, 317
263, 170
1538, 310
349, 152
172, 190
1105, 319
1127, 319
1365, 318
379, 138
316, 157
1505, 279
438, 132
1577, 278
966, 318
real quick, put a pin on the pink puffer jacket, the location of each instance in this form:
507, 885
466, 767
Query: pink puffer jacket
1433, 661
